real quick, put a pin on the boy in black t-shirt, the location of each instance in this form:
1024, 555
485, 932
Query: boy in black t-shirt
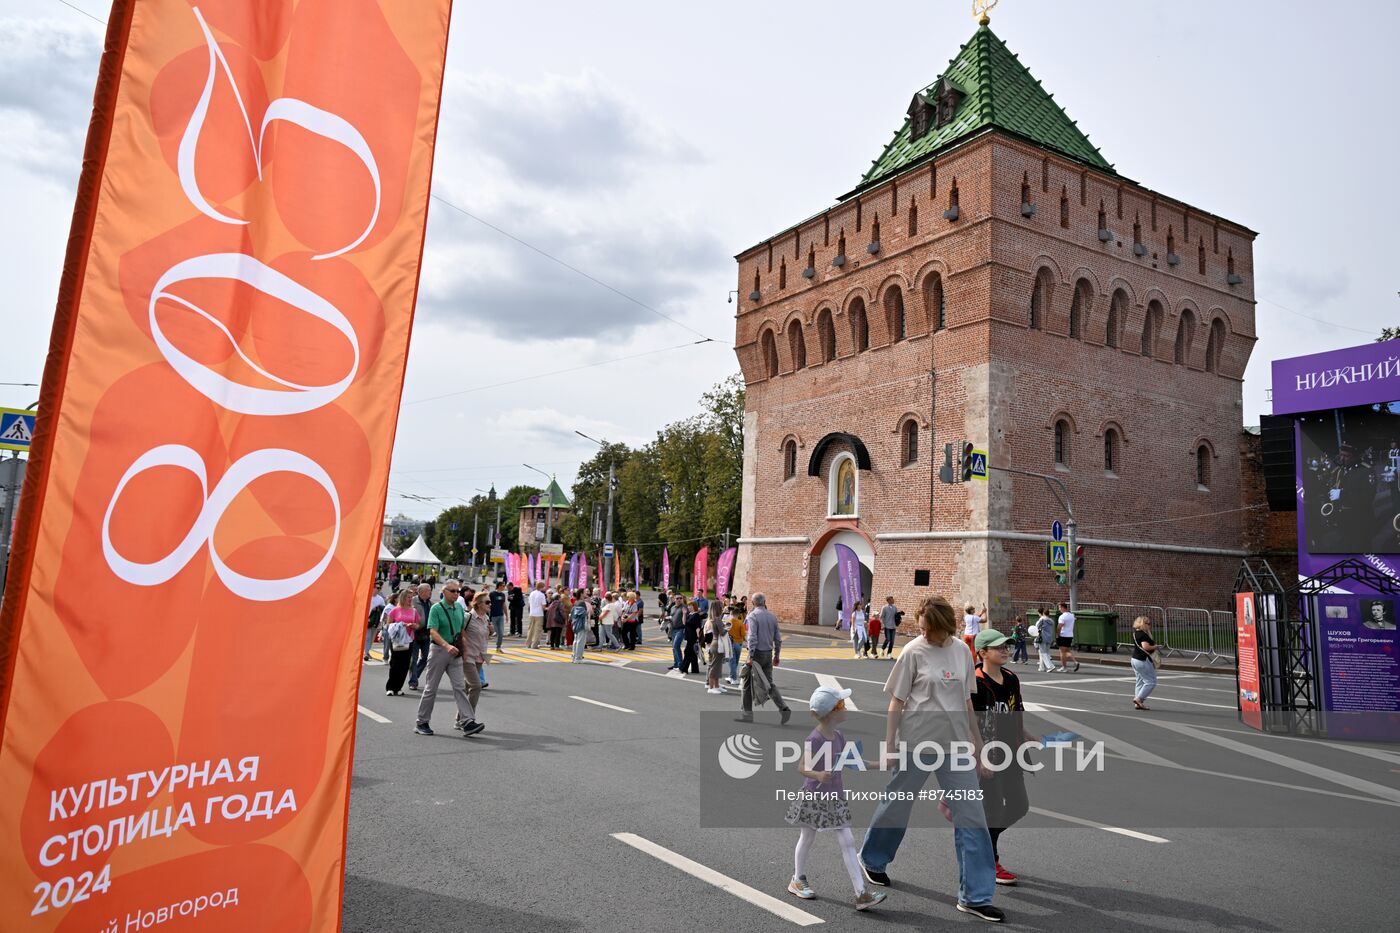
999, 706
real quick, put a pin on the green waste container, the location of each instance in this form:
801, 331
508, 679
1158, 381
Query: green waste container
1096, 630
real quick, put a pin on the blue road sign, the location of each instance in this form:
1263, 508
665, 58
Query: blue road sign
979, 465
607, 550
16, 428
1057, 531
1057, 556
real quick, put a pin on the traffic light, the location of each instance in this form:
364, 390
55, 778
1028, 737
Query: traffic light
945, 472
1060, 579
965, 464
1079, 562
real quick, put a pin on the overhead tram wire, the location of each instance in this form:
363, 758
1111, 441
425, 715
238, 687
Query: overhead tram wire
1319, 320
572, 268
560, 372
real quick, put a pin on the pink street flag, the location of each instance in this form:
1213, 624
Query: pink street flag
725, 573
702, 570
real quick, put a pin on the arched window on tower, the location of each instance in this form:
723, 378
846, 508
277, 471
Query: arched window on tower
1079, 308
1185, 333
1215, 345
894, 313
1117, 313
826, 335
1041, 294
1111, 451
769, 346
797, 345
934, 306
860, 326
1151, 328
909, 442
1203, 467
1062, 443
789, 459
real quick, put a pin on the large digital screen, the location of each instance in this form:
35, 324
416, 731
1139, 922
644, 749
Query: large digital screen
1351, 479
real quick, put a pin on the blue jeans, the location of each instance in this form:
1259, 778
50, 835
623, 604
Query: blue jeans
500, 623
976, 862
734, 652
677, 639
369, 637
1146, 679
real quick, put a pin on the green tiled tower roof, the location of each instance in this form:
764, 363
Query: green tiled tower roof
552, 496
999, 93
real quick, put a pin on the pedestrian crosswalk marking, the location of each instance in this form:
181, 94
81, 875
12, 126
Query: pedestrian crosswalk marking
725, 883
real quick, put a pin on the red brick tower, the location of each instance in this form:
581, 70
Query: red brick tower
993, 278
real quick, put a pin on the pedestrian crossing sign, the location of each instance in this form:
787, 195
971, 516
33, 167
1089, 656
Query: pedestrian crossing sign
1057, 556
16, 428
979, 465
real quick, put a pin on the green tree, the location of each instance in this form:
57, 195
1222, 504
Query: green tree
452, 526
590, 489
1388, 333
640, 501
723, 417
511, 503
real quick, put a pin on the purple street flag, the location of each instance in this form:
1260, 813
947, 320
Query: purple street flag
583, 569
636, 569
665, 568
725, 573
848, 571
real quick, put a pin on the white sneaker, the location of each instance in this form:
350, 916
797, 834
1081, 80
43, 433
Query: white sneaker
713, 690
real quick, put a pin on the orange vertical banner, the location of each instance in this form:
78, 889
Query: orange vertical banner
185, 610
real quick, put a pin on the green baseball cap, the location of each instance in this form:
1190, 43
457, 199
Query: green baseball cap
989, 638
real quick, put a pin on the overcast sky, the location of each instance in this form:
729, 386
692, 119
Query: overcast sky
646, 143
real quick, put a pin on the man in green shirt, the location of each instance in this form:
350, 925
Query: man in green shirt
446, 620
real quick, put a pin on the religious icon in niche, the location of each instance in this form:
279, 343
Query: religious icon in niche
845, 488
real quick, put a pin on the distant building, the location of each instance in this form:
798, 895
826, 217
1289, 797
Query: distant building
993, 278
534, 516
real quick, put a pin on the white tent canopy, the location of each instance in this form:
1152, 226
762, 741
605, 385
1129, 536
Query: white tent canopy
384, 552
418, 553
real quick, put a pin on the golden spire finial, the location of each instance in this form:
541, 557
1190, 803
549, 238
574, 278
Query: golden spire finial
980, 9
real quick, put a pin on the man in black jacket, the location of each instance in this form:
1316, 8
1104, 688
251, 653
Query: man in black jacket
422, 641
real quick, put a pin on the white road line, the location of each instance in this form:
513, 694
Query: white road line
372, 715
829, 680
1111, 743
725, 883
1303, 767
1042, 707
1156, 698
620, 709
1364, 751
1131, 833
819, 674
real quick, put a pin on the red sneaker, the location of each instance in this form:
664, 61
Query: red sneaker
1004, 876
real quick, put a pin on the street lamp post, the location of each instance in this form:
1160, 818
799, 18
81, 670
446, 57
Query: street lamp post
549, 510
607, 534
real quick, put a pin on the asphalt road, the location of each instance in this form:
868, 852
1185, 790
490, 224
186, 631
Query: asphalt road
1196, 823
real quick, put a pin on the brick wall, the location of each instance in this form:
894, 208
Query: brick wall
989, 377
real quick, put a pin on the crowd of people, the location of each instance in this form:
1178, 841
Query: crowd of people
959, 670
